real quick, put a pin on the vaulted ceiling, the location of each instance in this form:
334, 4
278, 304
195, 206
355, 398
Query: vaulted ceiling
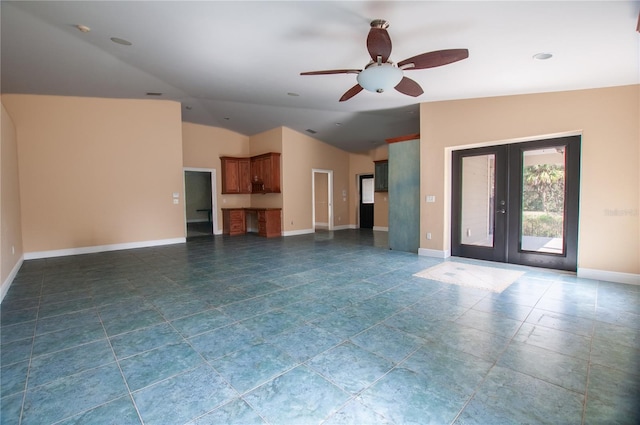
237, 64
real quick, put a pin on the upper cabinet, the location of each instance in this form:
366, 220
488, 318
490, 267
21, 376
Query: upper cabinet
381, 183
258, 174
265, 173
236, 175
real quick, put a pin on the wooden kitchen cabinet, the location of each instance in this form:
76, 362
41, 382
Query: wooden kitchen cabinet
269, 221
234, 221
236, 175
265, 173
381, 176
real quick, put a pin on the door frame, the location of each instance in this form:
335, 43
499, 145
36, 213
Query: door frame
329, 174
359, 178
510, 251
214, 200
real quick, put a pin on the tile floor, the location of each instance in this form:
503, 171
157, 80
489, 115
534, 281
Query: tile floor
329, 328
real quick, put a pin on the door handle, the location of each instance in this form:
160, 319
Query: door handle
502, 211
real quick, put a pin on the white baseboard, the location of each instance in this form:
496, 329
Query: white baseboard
344, 227
381, 228
100, 248
9, 280
298, 232
436, 253
609, 276
321, 225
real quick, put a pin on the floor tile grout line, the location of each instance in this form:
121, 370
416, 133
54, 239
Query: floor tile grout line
33, 343
124, 379
495, 362
593, 329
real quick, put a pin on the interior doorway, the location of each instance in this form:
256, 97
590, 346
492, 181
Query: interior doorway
518, 203
321, 195
367, 193
199, 202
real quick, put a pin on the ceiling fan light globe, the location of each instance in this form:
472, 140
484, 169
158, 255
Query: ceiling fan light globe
379, 78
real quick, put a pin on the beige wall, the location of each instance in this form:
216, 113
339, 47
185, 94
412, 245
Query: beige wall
268, 141
202, 147
11, 230
300, 155
97, 172
363, 164
608, 120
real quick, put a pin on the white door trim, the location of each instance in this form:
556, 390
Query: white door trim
329, 174
214, 198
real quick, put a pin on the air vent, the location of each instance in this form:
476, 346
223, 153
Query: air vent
308, 130
151, 93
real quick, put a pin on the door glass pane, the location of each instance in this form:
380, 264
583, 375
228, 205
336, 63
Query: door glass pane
478, 193
543, 183
367, 191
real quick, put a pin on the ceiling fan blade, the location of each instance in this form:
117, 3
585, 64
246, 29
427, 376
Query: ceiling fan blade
409, 87
351, 92
332, 71
433, 59
379, 44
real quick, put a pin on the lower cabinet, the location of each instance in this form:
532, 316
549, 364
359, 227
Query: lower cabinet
269, 223
234, 221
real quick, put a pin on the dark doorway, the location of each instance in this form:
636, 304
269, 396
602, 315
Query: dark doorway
366, 201
518, 203
198, 203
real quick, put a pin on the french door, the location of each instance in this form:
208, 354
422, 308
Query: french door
518, 203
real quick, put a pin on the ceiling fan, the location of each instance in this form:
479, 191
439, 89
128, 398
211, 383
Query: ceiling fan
381, 74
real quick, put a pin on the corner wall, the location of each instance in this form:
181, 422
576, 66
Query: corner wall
202, 147
364, 164
11, 252
97, 174
607, 118
300, 155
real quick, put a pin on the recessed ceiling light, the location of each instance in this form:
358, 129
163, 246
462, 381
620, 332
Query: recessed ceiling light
227, 118
83, 28
121, 41
293, 94
308, 130
542, 56
188, 108
338, 124
151, 93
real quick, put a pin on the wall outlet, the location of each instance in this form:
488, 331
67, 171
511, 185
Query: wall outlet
430, 198
175, 201
428, 236
13, 250
468, 232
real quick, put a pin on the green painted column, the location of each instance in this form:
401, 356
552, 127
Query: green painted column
404, 196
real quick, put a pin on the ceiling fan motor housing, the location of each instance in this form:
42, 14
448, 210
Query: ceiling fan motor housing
378, 78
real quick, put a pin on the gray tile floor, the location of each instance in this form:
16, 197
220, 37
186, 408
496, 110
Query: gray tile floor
329, 328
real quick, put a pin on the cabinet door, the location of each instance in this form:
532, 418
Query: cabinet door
381, 183
244, 175
272, 175
230, 182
